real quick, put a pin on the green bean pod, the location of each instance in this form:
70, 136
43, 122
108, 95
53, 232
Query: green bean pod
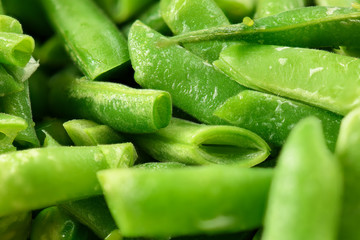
123, 10
185, 16
93, 213
265, 8
316, 81
92, 40
273, 117
29, 177
199, 144
55, 224
305, 194
312, 27
160, 165
88, 133
9, 84
10, 25
18, 104
15, 226
195, 86
10, 126
348, 154
118, 106
16, 49
235, 10
53, 127
211, 199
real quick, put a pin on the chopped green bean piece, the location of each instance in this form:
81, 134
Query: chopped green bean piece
10, 126
15, 48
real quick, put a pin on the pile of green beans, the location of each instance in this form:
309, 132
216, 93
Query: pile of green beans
179, 119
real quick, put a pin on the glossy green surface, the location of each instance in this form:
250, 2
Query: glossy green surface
265, 8
307, 75
348, 154
10, 24
53, 223
305, 194
15, 48
337, 3
273, 117
15, 227
200, 144
92, 40
88, 133
41, 177
190, 15
10, 126
312, 27
18, 104
223, 199
118, 106
195, 86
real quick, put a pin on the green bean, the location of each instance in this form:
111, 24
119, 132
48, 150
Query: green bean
92, 40
10, 25
265, 8
160, 165
16, 49
88, 133
273, 117
10, 126
93, 213
311, 27
29, 177
199, 144
18, 104
9, 84
211, 199
337, 3
49, 141
118, 106
53, 127
123, 10
15, 226
348, 155
185, 16
316, 82
53, 223
235, 10
305, 195
196, 87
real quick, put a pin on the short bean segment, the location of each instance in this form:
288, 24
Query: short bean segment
122, 108
265, 8
185, 16
312, 27
199, 144
195, 86
348, 153
223, 199
92, 40
273, 117
307, 75
304, 199
29, 177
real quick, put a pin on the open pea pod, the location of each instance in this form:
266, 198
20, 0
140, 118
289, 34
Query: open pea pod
273, 117
348, 154
15, 226
55, 224
190, 15
265, 8
88, 133
118, 106
195, 87
185, 201
320, 78
305, 194
29, 177
10, 126
312, 27
200, 144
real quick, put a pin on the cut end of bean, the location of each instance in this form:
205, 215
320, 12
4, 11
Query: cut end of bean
162, 110
22, 51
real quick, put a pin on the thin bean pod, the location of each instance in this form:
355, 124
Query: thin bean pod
195, 87
92, 40
315, 81
29, 177
305, 194
211, 199
118, 106
311, 27
273, 117
199, 144
347, 152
